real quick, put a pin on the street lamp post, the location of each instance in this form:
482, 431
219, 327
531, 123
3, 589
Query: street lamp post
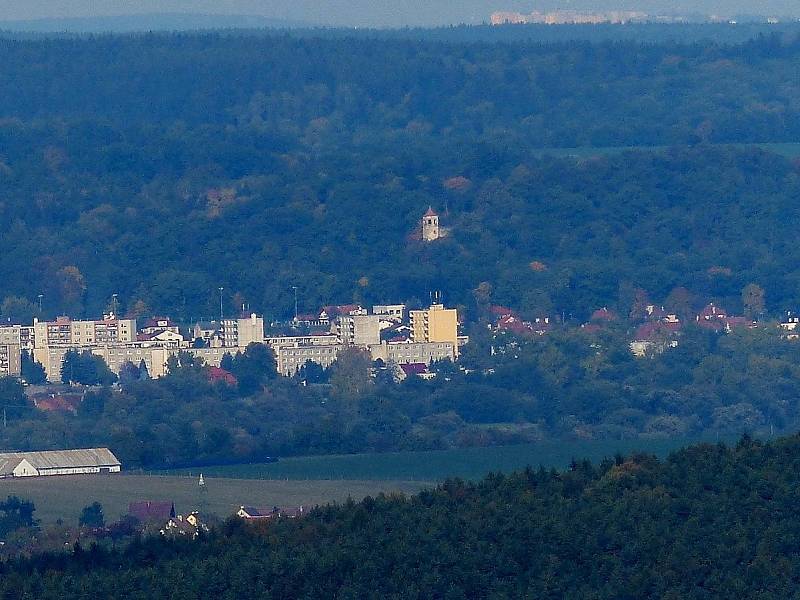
220, 305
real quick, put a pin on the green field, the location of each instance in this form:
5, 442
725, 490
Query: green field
64, 497
467, 463
307, 480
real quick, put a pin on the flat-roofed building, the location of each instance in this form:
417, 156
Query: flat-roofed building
66, 332
436, 324
59, 462
241, 332
414, 352
312, 339
10, 360
358, 330
291, 358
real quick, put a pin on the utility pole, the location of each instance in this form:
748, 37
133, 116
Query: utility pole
5, 420
40, 296
294, 287
220, 305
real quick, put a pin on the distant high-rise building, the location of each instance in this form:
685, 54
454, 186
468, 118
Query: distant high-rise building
239, 333
358, 330
436, 324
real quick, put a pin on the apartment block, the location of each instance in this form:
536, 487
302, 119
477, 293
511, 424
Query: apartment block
358, 330
154, 357
242, 331
10, 364
291, 358
421, 352
435, 324
66, 332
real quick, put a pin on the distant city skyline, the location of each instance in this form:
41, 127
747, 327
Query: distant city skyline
377, 13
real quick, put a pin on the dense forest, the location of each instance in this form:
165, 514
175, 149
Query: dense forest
161, 167
709, 521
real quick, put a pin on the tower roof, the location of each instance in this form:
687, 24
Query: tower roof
431, 212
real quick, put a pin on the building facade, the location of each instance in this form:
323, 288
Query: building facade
358, 330
242, 331
10, 360
422, 352
435, 324
59, 462
291, 358
66, 332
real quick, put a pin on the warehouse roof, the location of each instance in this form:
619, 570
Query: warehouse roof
60, 459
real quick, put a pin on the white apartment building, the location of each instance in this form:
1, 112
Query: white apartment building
18, 335
66, 332
358, 330
242, 331
10, 360
407, 353
291, 358
154, 357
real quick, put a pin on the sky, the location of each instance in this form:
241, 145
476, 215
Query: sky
377, 13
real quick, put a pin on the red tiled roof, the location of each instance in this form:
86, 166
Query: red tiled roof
431, 212
148, 510
513, 324
217, 374
58, 402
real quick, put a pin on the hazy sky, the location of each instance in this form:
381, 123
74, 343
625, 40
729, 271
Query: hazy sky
390, 13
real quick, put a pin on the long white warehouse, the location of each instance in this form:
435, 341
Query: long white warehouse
58, 462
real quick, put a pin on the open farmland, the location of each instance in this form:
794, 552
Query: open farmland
466, 463
64, 497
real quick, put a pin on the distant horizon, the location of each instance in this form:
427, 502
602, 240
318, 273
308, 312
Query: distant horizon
370, 13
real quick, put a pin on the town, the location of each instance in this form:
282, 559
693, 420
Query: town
408, 340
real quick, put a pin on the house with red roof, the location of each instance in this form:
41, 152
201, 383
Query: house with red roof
217, 374
717, 319
149, 511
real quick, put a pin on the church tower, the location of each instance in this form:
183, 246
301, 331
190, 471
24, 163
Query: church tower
430, 226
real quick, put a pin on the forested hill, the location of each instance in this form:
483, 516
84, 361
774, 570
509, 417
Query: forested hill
160, 167
708, 522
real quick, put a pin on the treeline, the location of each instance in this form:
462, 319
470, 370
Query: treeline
162, 167
709, 521
569, 384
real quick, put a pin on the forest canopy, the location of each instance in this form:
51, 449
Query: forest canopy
709, 521
161, 167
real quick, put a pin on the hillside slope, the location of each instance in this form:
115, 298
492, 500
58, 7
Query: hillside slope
708, 522
161, 167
